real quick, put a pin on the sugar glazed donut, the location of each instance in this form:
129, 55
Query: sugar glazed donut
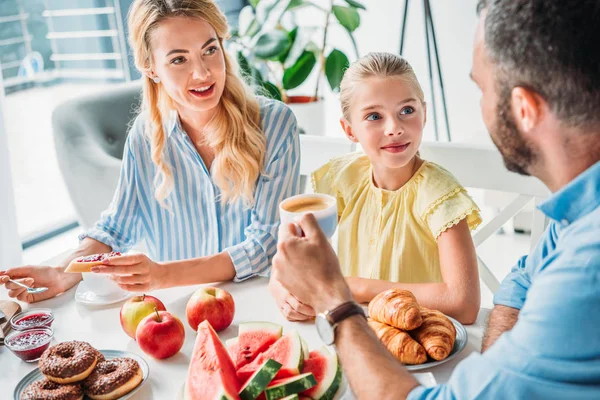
48, 390
68, 362
113, 378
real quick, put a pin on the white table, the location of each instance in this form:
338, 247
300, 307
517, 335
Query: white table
100, 326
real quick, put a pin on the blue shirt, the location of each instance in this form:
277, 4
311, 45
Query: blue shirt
199, 224
553, 351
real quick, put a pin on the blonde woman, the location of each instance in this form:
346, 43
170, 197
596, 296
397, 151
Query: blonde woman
205, 164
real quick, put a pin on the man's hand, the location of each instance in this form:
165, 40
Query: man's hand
308, 268
502, 319
289, 306
53, 278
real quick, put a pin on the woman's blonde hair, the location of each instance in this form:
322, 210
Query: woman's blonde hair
234, 134
384, 65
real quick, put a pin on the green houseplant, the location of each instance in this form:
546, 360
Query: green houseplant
276, 54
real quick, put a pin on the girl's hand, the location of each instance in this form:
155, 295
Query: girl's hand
133, 272
290, 307
357, 288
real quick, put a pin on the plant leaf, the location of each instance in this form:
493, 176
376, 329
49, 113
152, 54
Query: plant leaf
335, 65
348, 17
272, 44
355, 4
243, 63
254, 3
271, 91
292, 35
297, 4
297, 73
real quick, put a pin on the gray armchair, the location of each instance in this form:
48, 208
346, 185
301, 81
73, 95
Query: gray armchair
89, 135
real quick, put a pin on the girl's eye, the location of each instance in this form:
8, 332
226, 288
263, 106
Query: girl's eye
407, 110
177, 60
211, 50
373, 117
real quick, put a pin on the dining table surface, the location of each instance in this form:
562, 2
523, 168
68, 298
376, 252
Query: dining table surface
100, 326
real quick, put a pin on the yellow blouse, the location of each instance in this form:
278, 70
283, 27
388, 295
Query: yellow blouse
392, 235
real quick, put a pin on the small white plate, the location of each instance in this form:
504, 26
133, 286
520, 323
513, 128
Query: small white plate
36, 374
84, 295
459, 345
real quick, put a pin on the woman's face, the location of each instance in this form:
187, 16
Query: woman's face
188, 58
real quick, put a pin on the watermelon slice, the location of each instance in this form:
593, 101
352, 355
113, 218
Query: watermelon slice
232, 346
305, 351
327, 371
291, 397
287, 351
285, 387
253, 339
211, 374
260, 380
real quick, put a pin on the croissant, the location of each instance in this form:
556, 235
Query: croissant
397, 308
437, 334
399, 343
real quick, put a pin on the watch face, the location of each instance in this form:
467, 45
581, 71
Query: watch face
325, 330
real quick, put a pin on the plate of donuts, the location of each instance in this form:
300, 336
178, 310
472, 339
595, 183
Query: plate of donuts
115, 374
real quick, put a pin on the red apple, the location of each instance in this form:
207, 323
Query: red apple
212, 304
160, 334
137, 308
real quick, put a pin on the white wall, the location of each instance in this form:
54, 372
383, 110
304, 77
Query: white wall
10, 243
455, 24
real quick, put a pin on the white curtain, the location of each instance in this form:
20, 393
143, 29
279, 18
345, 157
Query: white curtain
10, 243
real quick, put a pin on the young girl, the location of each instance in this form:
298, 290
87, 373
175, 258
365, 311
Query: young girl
404, 222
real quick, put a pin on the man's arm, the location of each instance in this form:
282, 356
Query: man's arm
502, 319
372, 371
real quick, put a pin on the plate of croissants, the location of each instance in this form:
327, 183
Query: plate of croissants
417, 336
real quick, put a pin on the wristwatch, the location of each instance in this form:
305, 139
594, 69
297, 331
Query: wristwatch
327, 321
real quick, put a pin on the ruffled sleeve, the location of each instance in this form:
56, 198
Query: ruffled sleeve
341, 177
323, 182
445, 202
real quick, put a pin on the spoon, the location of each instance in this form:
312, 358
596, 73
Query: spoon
30, 290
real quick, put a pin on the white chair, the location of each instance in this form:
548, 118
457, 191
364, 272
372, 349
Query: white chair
318, 150
482, 168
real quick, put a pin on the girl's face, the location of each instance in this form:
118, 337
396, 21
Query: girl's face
188, 58
387, 119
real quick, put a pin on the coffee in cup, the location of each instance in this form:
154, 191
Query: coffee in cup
322, 206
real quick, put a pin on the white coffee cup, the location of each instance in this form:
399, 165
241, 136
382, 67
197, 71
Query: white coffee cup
101, 284
322, 206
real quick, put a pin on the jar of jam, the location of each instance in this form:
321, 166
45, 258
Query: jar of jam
29, 345
34, 318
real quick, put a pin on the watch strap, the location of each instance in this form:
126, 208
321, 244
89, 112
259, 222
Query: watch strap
344, 311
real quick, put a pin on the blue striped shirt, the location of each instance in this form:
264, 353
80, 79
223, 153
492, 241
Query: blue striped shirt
199, 224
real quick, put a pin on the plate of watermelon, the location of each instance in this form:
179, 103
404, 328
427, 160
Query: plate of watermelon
261, 363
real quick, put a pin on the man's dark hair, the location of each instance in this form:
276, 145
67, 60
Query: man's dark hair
550, 47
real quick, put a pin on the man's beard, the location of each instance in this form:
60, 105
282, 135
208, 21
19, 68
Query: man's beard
517, 153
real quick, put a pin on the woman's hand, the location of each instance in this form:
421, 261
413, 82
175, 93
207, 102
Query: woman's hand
357, 287
289, 306
134, 272
53, 278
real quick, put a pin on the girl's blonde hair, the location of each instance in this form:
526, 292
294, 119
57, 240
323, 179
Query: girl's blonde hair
235, 132
383, 65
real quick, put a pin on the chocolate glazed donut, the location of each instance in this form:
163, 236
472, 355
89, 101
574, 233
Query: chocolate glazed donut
113, 378
48, 390
68, 362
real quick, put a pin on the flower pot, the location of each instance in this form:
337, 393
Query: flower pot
309, 113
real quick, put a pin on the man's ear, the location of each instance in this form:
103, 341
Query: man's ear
528, 109
348, 129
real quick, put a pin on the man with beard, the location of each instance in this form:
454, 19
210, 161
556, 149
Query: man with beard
538, 67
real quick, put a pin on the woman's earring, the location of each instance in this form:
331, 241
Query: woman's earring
156, 79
